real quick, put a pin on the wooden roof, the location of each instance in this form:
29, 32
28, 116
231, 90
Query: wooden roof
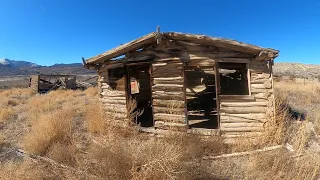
151, 38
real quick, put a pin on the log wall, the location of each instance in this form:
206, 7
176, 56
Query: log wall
240, 115
168, 94
113, 94
244, 116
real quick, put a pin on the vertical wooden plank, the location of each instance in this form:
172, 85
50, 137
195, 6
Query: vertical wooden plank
151, 83
248, 78
38, 83
217, 83
127, 87
185, 93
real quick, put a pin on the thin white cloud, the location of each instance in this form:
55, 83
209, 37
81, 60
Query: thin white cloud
42, 8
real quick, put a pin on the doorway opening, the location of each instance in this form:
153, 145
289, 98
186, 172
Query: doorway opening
139, 89
201, 97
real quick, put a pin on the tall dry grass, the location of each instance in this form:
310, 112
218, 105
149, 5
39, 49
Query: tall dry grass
70, 128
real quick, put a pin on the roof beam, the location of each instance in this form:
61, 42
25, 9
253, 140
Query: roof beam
217, 42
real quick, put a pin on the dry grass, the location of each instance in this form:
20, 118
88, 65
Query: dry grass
95, 119
6, 114
70, 128
52, 128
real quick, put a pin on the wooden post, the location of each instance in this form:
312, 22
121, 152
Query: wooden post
151, 84
217, 83
185, 93
127, 88
248, 78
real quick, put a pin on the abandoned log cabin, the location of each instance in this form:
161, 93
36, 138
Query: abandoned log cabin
44, 83
189, 82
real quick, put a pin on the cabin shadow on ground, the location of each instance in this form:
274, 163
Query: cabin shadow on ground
294, 114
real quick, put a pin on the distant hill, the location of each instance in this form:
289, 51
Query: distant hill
16, 64
297, 70
13, 68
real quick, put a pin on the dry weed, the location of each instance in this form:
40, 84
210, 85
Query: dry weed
62, 153
26, 170
7, 113
92, 91
95, 118
49, 129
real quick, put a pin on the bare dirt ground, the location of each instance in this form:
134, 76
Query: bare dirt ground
65, 135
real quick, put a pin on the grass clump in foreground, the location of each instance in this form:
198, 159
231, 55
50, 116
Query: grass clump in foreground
73, 131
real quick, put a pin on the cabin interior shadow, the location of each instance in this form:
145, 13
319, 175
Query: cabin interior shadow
201, 97
233, 79
139, 89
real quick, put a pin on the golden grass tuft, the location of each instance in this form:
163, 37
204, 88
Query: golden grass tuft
55, 127
7, 113
92, 91
96, 119
63, 153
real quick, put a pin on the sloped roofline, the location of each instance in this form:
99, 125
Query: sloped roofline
151, 38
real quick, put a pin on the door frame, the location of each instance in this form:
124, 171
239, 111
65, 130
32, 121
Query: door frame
128, 85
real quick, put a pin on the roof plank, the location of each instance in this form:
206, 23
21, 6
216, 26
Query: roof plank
120, 50
217, 42
258, 52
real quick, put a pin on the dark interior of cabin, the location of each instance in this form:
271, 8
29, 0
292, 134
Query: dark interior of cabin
233, 79
140, 89
201, 97
116, 78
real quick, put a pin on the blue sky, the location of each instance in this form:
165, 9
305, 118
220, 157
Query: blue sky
62, 31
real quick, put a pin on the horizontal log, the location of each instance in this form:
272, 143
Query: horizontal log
105, 87
242, 135
261, 95
168, 103
114, 109
242, 129
163, 123
247, 116
232, 119
260, 75
179, 82
167, 64
169, 117
112, 93
112, 101
254, 90
172, 70
114, 97
241, 110
210, 57
168, 97
236, 98
265, 85
240, 124
176, 88
260, 81
167, 85
166, 74
243, 104
157, 109
169, 79
201, 62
